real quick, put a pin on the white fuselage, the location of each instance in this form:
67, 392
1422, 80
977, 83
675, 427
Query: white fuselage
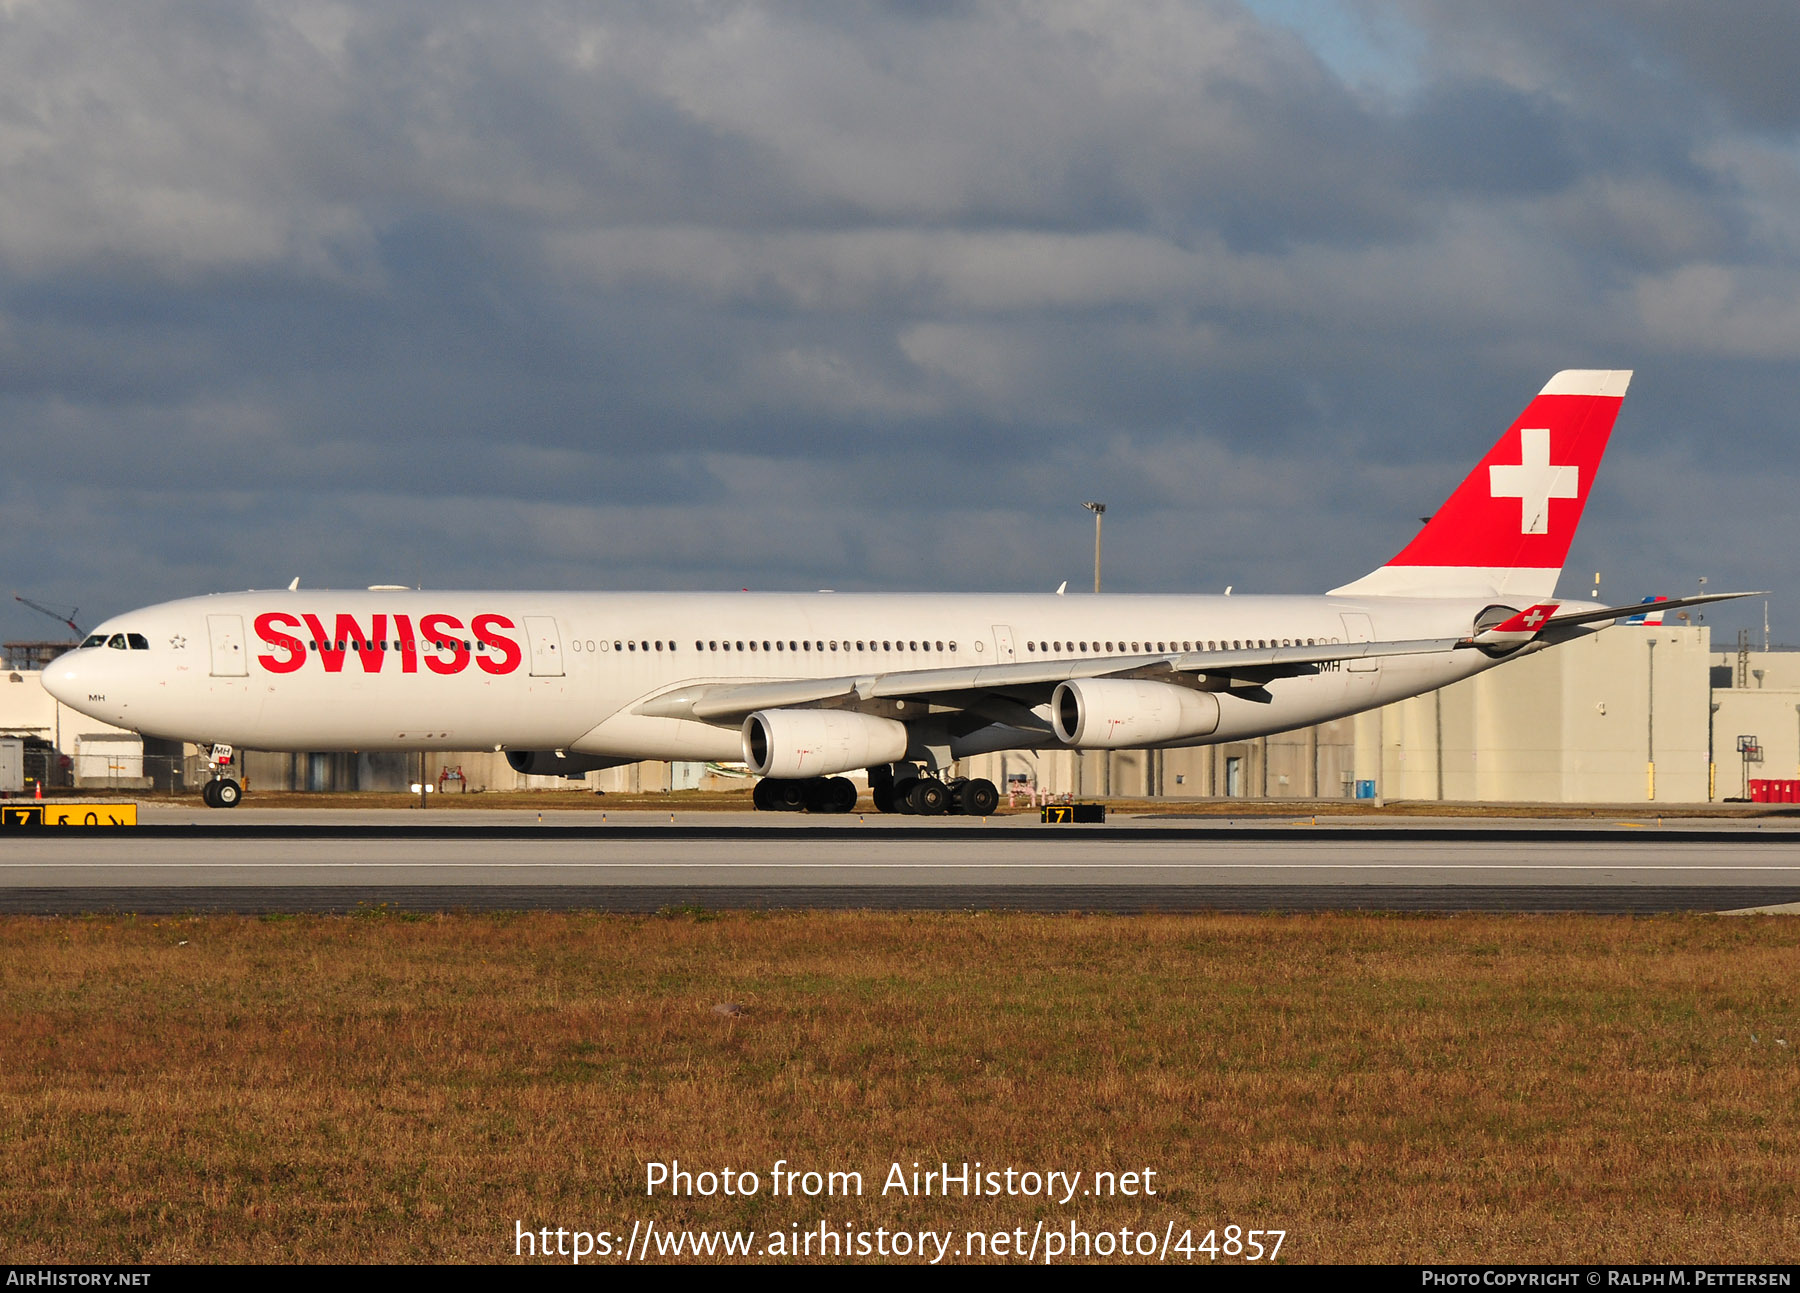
403, 669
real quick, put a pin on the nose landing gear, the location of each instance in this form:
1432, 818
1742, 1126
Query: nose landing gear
222, 793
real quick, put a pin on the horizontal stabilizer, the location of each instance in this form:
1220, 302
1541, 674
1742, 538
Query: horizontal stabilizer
1623, 612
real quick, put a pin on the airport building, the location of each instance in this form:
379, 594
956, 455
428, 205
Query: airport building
1632, 714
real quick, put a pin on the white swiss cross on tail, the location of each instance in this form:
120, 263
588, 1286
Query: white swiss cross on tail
1506, 530
1534, 482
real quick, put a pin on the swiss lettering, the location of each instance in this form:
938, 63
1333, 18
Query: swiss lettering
440, 628
441, 639
510, 655
268, 628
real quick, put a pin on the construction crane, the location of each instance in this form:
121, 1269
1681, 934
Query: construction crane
55, 614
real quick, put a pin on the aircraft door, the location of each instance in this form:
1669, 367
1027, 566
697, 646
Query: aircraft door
546, 646
1357, 628
229, 659
1003, 644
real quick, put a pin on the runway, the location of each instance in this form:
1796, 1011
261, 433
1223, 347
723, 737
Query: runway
272, 861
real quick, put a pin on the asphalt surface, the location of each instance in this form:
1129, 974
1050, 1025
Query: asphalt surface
258, 861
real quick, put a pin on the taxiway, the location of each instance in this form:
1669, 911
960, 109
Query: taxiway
272, 860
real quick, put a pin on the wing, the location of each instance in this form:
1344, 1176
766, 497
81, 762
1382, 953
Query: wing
1023, 684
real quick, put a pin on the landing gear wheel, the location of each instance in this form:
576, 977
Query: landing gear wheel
902, 795
840, 794
226, 793
760, 796
789, 796
928, 798
978, 798
208, 794
881, 789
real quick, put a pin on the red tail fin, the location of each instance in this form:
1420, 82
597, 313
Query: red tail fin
1506, 530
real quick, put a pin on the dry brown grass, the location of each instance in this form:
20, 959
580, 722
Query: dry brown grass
1385, 1089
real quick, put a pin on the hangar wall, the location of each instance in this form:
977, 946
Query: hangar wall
1580, 723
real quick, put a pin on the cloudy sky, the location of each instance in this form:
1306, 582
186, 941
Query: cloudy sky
872, 296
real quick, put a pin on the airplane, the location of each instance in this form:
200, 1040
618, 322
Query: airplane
806, 687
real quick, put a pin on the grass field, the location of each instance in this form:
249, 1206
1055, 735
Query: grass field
1384, 1089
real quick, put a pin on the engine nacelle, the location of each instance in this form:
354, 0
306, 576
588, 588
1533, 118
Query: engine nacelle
548, 763
1124, 713
819, 742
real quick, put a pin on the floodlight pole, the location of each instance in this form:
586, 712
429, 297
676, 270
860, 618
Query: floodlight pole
1099, 510
1650, 737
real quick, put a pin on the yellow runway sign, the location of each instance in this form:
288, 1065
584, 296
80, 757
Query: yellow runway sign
18, 816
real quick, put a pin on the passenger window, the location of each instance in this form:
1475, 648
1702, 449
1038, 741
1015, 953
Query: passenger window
138, 641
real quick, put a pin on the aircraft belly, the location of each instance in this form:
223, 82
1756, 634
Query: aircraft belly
398, 714
638, 736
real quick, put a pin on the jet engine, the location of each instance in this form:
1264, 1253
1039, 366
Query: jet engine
548, 763
819, 742
1124, 713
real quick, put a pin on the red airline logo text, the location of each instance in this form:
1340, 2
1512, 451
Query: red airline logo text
440, 643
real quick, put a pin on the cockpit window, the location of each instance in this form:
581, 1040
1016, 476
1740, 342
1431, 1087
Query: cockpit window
116, 642
94, 640
138, 641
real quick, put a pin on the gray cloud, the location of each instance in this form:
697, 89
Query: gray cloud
871, 296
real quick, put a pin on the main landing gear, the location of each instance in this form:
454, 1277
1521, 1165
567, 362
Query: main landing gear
911, 792
813, 795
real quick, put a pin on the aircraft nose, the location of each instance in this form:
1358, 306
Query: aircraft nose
62, 678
